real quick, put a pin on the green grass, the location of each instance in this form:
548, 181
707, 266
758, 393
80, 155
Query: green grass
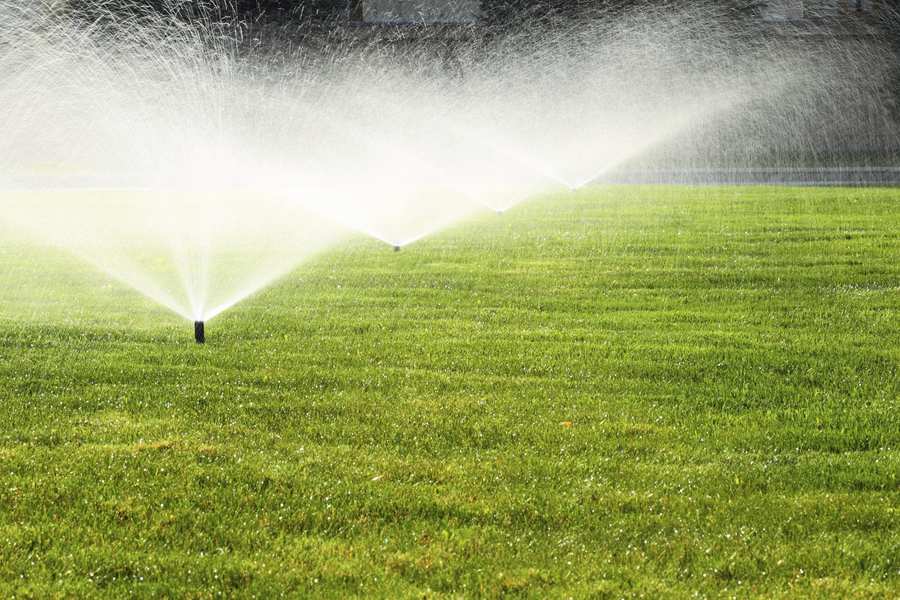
622, 392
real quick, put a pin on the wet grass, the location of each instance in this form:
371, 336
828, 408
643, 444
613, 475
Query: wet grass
623, 392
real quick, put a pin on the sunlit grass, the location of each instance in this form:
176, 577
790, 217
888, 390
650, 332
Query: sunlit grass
617, 392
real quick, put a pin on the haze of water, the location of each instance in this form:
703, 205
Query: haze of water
198, 170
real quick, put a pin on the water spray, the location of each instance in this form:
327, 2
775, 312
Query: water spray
275, 165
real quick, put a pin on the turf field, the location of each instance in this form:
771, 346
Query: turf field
636, 391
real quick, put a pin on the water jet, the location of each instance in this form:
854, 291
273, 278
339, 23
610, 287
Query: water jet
240, 163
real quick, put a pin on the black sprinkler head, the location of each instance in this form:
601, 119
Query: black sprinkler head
199, 333
396, 248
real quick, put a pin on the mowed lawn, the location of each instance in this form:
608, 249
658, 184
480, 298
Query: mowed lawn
623, 392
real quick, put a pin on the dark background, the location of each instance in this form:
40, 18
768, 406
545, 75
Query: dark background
882, 18
279, 26
494, 11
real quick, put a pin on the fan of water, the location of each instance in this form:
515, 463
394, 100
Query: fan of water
197, 168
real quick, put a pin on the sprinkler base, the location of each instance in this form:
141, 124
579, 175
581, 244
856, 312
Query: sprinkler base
199, 332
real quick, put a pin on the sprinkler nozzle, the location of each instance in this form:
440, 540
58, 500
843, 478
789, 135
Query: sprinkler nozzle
396, 248
199, 333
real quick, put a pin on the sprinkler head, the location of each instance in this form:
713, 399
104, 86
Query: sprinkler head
396, 248
199, 333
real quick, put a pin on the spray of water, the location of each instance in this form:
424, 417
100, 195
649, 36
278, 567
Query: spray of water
198, 165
